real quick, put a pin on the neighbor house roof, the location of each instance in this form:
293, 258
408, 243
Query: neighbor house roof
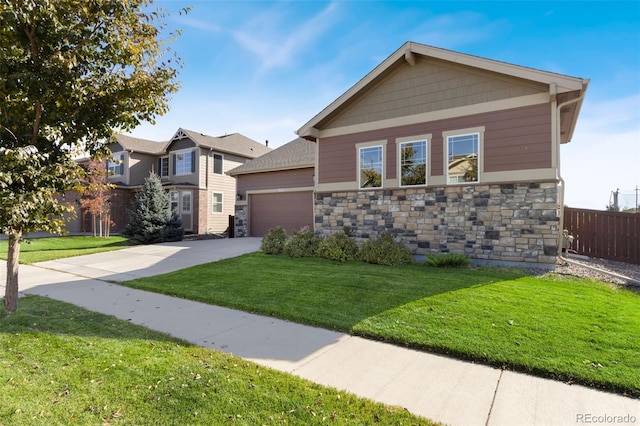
297, 154
141, 145
234, 143
562, 86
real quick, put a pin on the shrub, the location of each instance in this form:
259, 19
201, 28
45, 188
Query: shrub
385, 251
303, 243
338, 247
447, 260
273, 242
173, 231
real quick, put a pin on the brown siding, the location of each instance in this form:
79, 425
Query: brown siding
139, 167
430, 85
296, 178
291, 210
515, 139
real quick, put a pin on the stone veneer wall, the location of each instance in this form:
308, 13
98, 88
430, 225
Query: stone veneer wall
241, 221
509, 223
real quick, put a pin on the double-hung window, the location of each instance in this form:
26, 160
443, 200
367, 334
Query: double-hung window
216, 206
370, 167
184, 163
115, 167
163, 167
413, 163
463, 156
217, 164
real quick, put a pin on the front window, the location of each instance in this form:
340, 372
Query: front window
217, 202
163, 167
462, 158
175, 201
371, 162
115, 167
217, 164
413, 163
186, 202
184, 163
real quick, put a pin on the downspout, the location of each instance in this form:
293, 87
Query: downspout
558, 175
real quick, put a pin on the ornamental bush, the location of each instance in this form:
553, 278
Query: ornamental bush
303, 243
447, 260
273, 242
338, 247
384, 250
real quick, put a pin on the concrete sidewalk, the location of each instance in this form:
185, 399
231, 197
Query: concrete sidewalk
436, 387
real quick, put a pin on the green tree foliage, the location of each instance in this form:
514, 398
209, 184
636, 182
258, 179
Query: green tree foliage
71, 73
29, 182
150, 220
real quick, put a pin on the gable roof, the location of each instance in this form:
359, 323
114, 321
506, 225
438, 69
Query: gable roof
130, 143
297, 154
235, 143
562, 86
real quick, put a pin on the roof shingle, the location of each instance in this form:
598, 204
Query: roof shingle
296, 154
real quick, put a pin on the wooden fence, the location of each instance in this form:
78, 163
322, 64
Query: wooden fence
604, 234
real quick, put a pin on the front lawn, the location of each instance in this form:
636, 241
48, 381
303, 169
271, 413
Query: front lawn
43, 249
60, 364
565, 328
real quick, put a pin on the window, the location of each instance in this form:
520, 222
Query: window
115, 166
462, 158
370, 167
217, 202
413, 163
175, 199
184, 163
217, 164
186, 202
163, 167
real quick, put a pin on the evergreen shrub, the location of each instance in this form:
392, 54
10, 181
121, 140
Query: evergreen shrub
384, 250
303, 243
273, 242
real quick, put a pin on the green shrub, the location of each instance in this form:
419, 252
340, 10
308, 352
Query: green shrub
303, 243
385, 251
273, 242
447, 260
338, 247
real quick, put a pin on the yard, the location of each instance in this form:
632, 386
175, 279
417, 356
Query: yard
565, 328
60, 364
43, 249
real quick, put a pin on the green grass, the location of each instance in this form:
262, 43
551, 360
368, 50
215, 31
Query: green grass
60, 364
566, 328
43, 249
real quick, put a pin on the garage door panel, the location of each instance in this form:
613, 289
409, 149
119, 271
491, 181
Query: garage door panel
291, 210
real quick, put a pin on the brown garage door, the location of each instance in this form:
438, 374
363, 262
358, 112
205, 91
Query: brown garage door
291, 210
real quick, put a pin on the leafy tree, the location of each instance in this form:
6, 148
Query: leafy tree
71, 73
95, 196
151, 220
29, 182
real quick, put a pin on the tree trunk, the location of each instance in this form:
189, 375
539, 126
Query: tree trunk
11, 291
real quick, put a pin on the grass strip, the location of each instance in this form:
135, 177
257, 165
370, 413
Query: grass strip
568, 329
43, 249
60, 364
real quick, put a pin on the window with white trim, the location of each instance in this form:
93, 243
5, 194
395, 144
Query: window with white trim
370, 167
115, 167
163, 167
463, 155
218, 165
413, 163
186, 202
184, 163
216, 205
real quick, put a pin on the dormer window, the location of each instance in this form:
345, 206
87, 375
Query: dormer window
115, 166
184, 163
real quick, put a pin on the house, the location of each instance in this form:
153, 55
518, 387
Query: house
448, 152
192, 167
276, 189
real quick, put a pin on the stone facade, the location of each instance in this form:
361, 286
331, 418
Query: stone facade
510, 224
241, 220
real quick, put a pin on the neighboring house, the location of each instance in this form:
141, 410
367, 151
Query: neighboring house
448, 152
276, 189
192, 168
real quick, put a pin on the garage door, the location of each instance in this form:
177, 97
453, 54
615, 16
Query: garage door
291, 210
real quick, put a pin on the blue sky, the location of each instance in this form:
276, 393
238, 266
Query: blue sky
265, 68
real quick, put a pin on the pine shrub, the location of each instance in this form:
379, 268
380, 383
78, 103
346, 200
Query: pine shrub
273, 242
384, 250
